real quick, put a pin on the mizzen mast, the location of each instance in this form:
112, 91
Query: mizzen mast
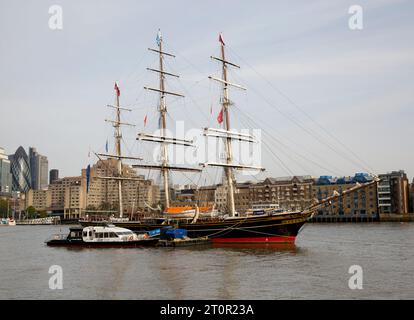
164, 167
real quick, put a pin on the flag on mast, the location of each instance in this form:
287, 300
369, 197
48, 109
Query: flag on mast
118, 92
88, 176
221, 39
159, 37
106, 146
220, 116
145, 121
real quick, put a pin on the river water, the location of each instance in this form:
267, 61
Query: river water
315, 268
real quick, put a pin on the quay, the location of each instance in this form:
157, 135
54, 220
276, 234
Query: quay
40, 221
380, 218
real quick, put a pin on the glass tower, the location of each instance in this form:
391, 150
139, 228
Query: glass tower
20, 169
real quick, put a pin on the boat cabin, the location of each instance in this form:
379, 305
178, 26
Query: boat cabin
107, 234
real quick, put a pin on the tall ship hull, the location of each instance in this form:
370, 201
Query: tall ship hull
280, 228
269, 227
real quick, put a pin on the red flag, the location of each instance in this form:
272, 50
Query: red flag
221, 39
145, 120
118, 92
220, 116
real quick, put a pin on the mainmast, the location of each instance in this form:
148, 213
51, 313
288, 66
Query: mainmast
118, 155
164, 167
163, 111
227, 134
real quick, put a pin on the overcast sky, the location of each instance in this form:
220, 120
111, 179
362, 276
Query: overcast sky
334, 100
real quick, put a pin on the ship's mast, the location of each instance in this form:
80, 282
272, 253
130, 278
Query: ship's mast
163, 111
118, 155
164, 167
227, 134
229, 156
118, 137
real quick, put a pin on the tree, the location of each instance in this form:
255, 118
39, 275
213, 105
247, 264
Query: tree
31, 212
43, 214
5, 210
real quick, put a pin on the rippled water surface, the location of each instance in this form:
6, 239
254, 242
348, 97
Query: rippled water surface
315, 268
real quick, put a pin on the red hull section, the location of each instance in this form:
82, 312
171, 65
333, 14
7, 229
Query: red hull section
287, 239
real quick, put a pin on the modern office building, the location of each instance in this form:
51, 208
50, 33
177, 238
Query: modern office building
393, 193
20, 171
38, 169
53, 175
5, 175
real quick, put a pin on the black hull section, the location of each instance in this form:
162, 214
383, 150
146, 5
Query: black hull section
282, 228
81, 243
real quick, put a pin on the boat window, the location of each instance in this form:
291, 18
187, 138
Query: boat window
85, 234
124, 233
113, 235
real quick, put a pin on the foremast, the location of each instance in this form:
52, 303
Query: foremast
118, 154
227, 134
163, 139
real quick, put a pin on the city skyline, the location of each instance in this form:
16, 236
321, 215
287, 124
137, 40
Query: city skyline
355, 84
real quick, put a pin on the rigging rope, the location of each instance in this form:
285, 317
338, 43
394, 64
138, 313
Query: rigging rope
297, 123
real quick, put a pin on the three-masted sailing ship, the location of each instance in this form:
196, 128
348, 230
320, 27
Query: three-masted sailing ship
270, 227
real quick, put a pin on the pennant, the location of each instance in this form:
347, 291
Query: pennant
106, 146
118, 92
145, 121
88, 175
220, 116
221, 39
159, 37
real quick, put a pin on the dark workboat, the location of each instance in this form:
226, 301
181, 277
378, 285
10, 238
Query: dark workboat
101, 237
